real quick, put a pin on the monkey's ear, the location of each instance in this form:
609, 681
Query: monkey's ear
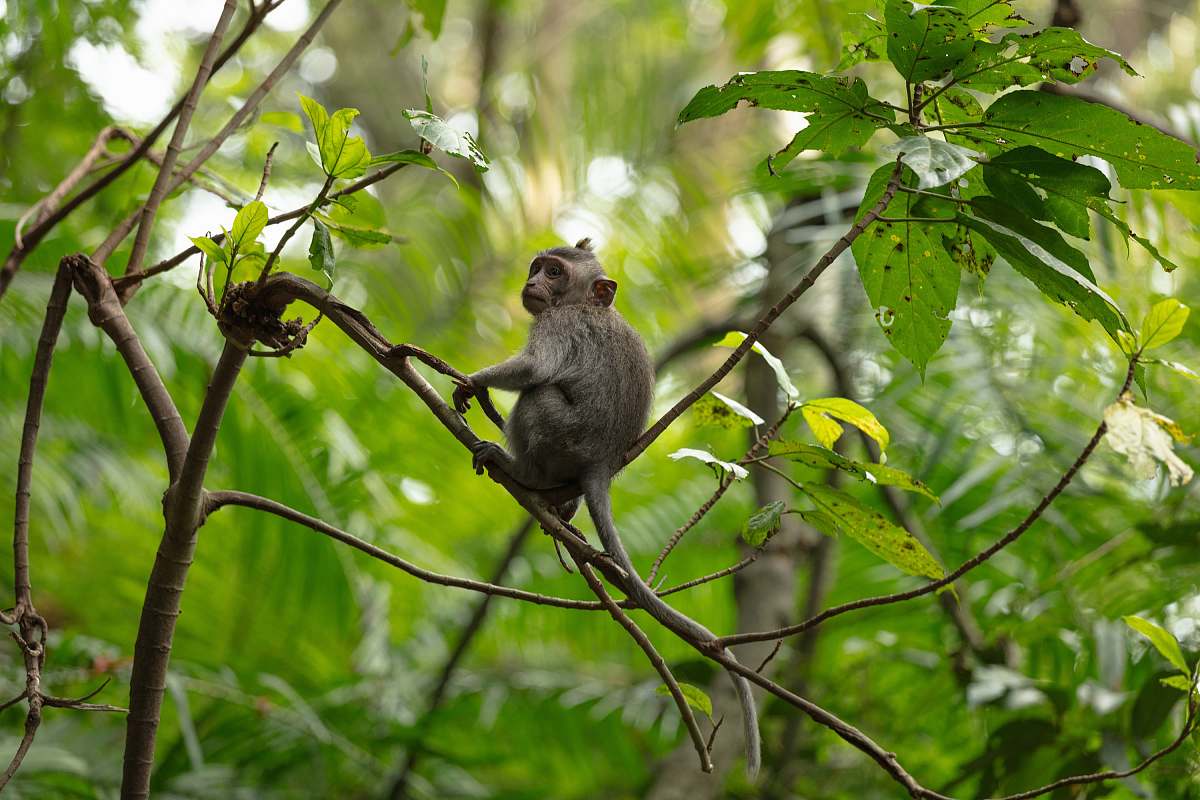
604, 291
584, 244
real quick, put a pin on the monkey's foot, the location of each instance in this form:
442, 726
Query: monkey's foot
484, 454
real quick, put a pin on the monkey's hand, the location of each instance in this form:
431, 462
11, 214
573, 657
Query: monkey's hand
485, 453
464, 390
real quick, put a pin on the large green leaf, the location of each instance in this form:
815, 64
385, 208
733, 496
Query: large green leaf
1163, 641
1052, 54
1066, 191
247, 225
823, 458
875, 532
1011, 215
983, 15
927, 43
842, 115
1143, 157
910, 278
1051, 276
340, 155
1164, 322
935, 162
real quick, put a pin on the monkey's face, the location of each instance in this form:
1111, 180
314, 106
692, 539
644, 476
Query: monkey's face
548, 280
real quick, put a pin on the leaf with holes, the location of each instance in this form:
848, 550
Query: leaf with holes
865, 39
983, 15
1143, 157
875, 532
1052, 54
925, 42
823, 458
909, 276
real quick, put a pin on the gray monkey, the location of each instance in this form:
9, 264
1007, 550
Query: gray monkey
586, 384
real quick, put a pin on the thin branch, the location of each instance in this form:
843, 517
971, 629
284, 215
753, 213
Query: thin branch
183, 255
413, 753
964, 568
266, 173
772, 314
290, 232
220, 499
159, 191
30, 240
656, 660
724, 484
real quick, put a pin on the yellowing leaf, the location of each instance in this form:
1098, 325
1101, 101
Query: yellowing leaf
821, 413
824, 458
1163, 323
1144, 437
1162, 640
873, 531
695, 697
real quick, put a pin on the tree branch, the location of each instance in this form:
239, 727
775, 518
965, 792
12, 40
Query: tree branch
772, 314
159, 191
964, 568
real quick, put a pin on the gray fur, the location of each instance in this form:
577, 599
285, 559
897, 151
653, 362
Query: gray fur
586, 384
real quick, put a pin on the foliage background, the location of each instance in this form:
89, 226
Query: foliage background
301, 669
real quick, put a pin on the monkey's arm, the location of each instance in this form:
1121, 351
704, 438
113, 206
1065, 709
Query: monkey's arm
517, 373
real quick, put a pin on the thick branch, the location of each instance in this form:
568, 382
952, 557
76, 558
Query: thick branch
152, 650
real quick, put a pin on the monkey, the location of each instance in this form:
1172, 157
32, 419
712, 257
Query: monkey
586, 384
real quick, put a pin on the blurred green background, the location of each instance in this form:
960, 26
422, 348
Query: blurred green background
303, 669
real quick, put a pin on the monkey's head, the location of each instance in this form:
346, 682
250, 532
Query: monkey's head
567, 276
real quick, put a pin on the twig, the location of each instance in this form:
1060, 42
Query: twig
964, 568
266, 173
17, 254
772, 314
290, 232
724, 484
660, 666
183, 255
159, 191
220, 499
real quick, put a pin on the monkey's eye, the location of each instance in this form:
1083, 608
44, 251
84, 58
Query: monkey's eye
554, 271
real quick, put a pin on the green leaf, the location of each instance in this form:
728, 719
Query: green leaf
1164, 322
865, 39
248, 224
415, 157
1143, 156
927, 43
735, 338
695, 697
449, 140
1013, 218
823, 458
1162, 640
1175, 366
340, 155
320, 250
738, 472
763, 524
210, 249
875, 532
821, 413
843, 115
1181, 682
982, 15
935, 162
710, 410
1055, 279
822, 522
1052, 54
353, 159
432, 12
363, 237
909, 276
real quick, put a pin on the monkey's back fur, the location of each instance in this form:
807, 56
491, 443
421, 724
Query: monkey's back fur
598, 403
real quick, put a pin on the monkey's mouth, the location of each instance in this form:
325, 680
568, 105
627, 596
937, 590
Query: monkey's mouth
534, 303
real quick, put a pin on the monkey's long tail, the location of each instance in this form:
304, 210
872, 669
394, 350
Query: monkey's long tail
596, 494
